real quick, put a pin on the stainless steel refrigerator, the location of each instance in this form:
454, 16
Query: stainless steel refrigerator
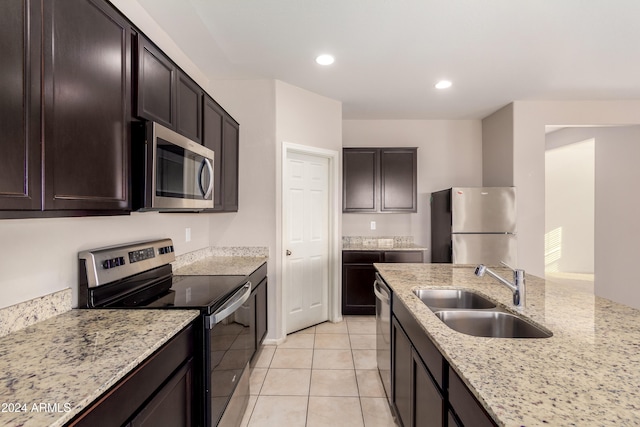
474, 225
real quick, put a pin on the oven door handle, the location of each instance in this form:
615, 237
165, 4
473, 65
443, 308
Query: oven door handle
232, 304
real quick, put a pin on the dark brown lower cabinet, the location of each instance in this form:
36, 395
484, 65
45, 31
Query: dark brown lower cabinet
258, 302
401, 370
358, 275
158, 392
261, 312
468, 410
426, 390
168, 406
416, 396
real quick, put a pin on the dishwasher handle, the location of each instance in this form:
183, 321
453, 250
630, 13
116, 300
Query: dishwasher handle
380, 294
232, 304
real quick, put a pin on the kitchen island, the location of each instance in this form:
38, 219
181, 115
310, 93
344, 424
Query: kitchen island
54, 369
587, 373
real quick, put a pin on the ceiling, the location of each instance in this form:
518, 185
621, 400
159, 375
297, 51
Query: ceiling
390, 53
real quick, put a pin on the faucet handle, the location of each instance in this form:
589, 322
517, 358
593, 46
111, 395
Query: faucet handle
507, 265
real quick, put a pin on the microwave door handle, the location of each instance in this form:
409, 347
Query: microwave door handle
207, 193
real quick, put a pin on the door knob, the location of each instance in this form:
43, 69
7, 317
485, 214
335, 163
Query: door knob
288, 252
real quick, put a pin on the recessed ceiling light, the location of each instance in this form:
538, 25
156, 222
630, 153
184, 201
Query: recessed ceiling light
325, 59
443, 84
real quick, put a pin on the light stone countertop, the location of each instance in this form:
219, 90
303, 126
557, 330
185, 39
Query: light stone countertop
395, 247
221, 265
586, 374
69, 360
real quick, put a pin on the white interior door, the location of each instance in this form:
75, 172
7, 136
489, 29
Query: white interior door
306, 240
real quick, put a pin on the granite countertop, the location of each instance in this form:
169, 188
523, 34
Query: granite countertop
221, 265
377, 247
58, 367
587, 373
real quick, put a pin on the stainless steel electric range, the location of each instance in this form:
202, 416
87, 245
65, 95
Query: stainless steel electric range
139, 275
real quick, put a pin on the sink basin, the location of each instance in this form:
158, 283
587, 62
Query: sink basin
452, 298
494, 324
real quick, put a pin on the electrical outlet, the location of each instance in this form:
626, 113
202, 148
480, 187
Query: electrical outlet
373, 225
187, 234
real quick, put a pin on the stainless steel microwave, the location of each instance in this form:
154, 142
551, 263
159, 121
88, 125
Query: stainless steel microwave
174, 172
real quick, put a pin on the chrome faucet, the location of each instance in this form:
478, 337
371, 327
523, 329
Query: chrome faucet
517, 287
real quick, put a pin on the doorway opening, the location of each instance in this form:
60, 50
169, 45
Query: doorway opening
310, 237
570, 208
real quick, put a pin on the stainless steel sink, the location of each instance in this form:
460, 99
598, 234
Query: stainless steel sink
437, 299
494, 324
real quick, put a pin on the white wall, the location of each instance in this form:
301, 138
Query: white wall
570, 204
269, 112
40, 256
617, 220
141, 19
449, 154
497, 148
616, 227
530, 119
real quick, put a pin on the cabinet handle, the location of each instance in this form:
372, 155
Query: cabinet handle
288, 252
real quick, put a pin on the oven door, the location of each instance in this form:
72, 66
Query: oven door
228, 344
182, 173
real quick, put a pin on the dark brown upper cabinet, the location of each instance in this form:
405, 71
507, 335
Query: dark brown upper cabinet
84, 133
20, 185
87, 99
156, 74
166, 94
221, 134
189, 108
379, 180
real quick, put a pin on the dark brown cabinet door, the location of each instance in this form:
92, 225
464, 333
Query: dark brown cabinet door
87, 98
404, 256
172, 405
221, 134
360, 192
212, 139
358, 275
401, 374
357, 289
398, 180
20, 186
189, 109
230, 147
261, 312
156, 75
464, 404
429, 406
379, 180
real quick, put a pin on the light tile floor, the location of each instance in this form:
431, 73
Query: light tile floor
325, 375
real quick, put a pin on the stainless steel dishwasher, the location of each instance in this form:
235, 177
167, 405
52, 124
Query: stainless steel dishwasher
383, 332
